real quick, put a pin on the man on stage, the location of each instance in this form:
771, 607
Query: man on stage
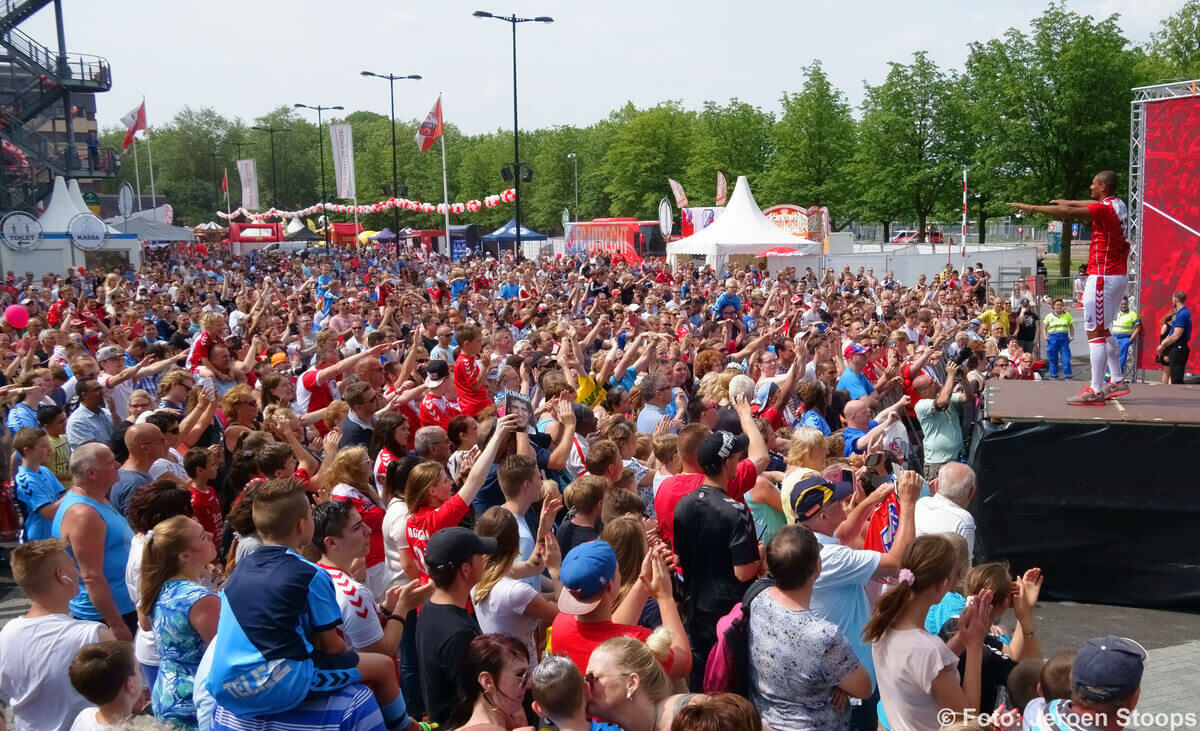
1106, 280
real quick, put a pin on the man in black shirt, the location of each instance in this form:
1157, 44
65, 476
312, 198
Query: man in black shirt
716, 543
454, 557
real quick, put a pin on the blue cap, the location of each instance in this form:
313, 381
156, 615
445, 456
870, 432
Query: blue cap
1108, 668
585, 572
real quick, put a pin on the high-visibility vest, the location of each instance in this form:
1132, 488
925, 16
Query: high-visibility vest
1058, 323
1125, 323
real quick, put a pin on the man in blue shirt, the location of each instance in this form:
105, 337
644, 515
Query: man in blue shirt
853, 379
1174, 346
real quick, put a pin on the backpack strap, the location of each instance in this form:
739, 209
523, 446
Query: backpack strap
758, 587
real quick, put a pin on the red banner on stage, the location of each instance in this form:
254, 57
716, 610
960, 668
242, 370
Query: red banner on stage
1170, 218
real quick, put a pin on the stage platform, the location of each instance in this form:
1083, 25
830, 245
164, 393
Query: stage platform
1023, 401
1102, 498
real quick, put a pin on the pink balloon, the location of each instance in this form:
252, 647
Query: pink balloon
16, 316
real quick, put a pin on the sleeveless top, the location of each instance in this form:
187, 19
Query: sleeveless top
180, 648
117, 537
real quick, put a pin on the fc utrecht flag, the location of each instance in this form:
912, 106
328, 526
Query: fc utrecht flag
680, 197
722, 189
343, 160
249, 175
431, 128
134, 121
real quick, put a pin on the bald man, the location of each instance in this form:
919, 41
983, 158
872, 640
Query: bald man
946, 510
145, 444
862, 432
939, 411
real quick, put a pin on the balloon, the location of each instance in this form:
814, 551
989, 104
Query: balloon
16, 316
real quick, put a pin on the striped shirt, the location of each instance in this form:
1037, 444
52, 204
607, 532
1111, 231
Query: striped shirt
352, 708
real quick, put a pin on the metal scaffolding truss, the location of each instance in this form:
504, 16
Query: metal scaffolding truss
1142, 96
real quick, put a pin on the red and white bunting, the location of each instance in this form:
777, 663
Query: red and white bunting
472, 206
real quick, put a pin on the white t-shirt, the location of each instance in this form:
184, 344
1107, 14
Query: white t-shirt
120, 393
87, 721
906, 662
164, 465
40, 692
939, 514
503, 611
144, 649
395, 543
360, 619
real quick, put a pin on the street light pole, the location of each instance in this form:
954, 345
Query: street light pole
321, 153
274, 171
575, 161
391, 79
514, 20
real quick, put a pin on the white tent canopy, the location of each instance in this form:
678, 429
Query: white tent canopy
740, 229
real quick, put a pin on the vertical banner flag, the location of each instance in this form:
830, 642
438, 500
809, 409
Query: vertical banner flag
225, 181
431, 128
343, 160
134, 121
249, 175
722, 189
681, 200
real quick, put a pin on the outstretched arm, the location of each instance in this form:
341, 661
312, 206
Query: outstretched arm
1062, 211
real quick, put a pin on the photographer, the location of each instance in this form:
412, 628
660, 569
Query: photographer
1174, 337
940, 415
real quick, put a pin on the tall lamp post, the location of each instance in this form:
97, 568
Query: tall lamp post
392, 79
274, 171
321, 152
575, 161
514, 21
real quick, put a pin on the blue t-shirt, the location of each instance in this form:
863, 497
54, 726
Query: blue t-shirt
1183, 319
36, 490
272, 604
352, 707
856, 383
20, 416
508, 291
852, 435
813, 419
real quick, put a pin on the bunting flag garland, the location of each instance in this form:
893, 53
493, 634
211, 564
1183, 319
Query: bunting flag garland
474, 205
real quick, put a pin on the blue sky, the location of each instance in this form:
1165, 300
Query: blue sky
246, 57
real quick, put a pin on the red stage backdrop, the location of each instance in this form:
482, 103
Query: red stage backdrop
1170, 219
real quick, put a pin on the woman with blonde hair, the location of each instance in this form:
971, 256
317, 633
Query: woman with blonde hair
627, 536
917, 673
240, 410
806, 458
504, 604
627, 685
350, 475
182, 612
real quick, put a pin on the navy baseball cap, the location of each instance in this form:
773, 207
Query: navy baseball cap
453, 547
585, 572
812, 494
1108, 668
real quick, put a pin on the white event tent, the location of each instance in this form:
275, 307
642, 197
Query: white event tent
740, 229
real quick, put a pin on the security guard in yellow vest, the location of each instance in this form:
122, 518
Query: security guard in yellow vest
1060, 326
1126, 328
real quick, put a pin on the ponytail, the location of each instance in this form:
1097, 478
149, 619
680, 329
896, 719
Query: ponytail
160, 559
927, 561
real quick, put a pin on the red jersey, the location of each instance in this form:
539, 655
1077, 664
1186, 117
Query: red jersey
312, 396
199, 351
471, 400
206, 508
1109, 251
427, 521
676, 487
56, 312
371, 514
577, 640
437, 411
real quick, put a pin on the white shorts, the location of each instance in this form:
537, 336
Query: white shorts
1102, 300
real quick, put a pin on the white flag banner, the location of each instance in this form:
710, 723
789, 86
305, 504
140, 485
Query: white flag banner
343, 159
249, 175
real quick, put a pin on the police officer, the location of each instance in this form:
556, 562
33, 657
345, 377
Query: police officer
1060, 328
1126, 328
1174, 338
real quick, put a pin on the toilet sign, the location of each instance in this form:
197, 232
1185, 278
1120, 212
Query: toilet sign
21, 231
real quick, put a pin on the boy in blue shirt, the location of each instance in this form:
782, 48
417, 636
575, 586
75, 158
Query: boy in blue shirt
277, 640
38, 490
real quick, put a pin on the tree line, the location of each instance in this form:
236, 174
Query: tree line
1034, 113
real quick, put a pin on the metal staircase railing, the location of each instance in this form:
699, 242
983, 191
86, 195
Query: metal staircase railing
26, 103
76, 72
15, 12
63, 160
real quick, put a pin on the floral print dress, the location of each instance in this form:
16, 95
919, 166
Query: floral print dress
180, 648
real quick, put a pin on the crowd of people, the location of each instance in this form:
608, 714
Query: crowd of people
387, 490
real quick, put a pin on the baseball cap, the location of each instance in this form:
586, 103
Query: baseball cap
436, 372
718, 446
812, 494
585, 572
452, 547
109, 351
852, 349
1108, 668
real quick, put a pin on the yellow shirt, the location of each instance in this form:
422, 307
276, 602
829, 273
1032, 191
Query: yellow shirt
588, 393
987, 317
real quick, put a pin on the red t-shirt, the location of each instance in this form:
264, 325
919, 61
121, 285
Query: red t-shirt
371, 514
471, 400
206, 508
429, 520
312, 396
1109, 251
907, 376
676, 487
437, 411
56, 312
199, 350
882, 527
578, 639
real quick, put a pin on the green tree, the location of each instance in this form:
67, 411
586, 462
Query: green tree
734, 139
814, 143
1174, 51
650, 147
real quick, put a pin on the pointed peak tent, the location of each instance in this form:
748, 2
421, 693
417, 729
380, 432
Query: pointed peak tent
508, 233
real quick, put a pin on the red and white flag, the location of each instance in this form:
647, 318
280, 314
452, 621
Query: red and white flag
722, 189
677, 190
134, 121
431, 128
